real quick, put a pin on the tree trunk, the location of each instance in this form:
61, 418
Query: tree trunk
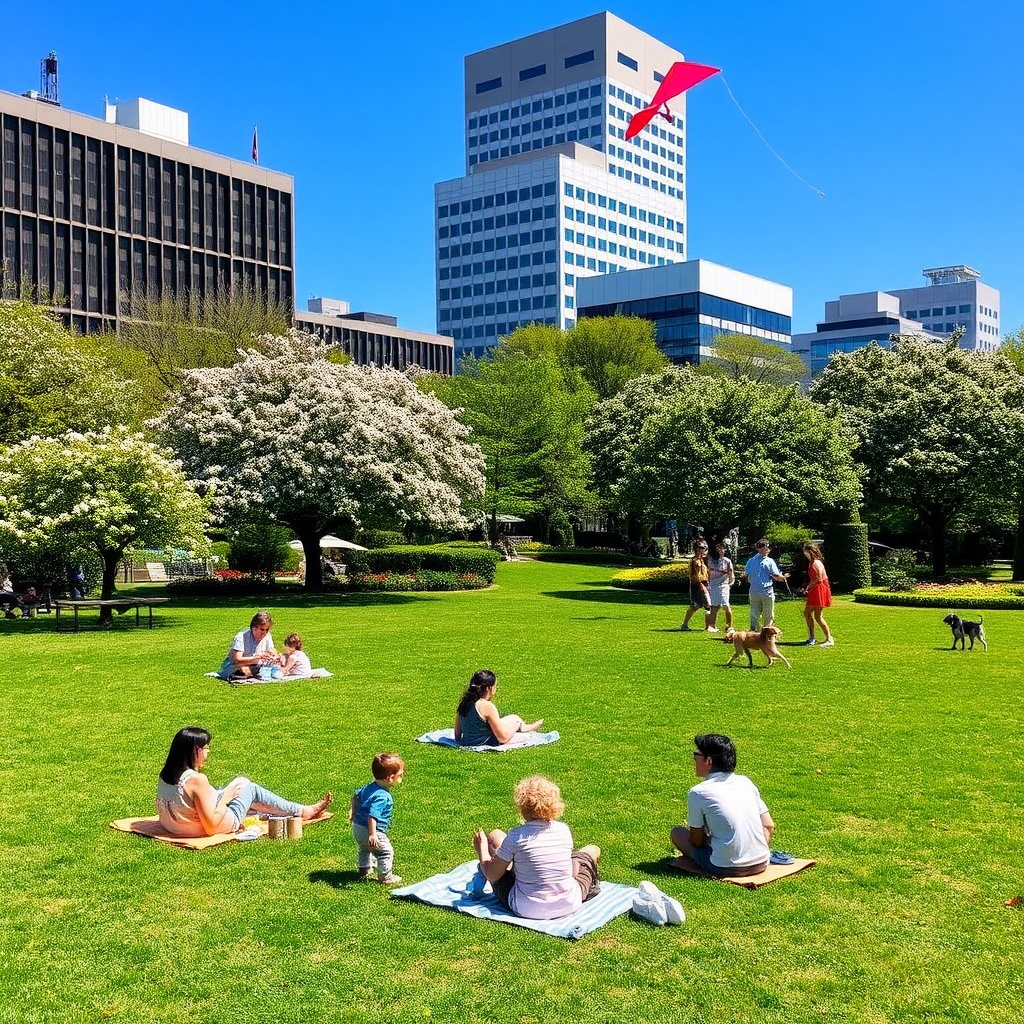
311, 552
1018, 545
937, 525
110, 560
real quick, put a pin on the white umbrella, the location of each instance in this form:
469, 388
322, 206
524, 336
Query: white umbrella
329, 542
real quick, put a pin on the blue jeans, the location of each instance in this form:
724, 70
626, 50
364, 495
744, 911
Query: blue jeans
255, 798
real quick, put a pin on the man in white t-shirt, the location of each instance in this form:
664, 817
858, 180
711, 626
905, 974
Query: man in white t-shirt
728, 829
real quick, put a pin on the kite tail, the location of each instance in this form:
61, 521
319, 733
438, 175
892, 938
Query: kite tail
767, 144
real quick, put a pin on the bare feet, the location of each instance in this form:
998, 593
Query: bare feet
531, 726
315, 810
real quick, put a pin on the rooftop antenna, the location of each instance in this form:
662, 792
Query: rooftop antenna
48, 88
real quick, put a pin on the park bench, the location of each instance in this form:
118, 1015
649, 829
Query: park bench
119, 604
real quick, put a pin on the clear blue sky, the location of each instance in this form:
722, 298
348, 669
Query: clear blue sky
908, 114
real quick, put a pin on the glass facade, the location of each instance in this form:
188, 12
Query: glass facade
86, 221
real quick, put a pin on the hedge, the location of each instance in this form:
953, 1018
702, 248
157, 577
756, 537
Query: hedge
846, 555
962, 598
592, 556
409, 561
423, 580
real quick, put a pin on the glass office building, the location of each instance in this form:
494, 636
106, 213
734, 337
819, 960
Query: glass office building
552, 192
92, 210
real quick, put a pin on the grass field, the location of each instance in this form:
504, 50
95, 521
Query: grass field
893, 761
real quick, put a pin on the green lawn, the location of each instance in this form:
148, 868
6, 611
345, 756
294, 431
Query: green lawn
894, 762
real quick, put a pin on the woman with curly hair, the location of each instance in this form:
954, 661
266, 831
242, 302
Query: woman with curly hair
533, 869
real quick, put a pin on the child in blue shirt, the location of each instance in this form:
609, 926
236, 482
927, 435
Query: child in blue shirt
370, 814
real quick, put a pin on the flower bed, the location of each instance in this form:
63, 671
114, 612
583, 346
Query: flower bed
673, 579
962, 595
422, 580
430, 563
595, 556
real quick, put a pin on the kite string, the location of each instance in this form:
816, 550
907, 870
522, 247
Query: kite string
765, 141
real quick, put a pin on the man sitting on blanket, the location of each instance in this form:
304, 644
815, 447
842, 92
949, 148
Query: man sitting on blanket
728, 828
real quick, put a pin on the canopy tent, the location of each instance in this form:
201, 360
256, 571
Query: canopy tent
330, 541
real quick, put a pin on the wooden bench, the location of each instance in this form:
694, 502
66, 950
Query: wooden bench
119, 604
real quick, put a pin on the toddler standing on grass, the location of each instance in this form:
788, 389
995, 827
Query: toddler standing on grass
370, 814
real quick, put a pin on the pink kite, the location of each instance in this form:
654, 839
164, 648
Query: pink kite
681, 76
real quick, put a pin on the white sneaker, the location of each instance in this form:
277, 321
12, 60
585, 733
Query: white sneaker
673, 909
831, 642
649, 904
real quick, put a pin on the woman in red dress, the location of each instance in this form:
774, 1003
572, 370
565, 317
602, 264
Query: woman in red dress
819, 596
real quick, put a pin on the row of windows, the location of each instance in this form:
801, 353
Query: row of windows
986, 311
490, 309
694, 304
69, 176
545, 280
488, 202
492, 330
625, 230
603, 202
577, 59
365, 347
562, 98
641, 179
645, 163
937, 311
499, 265
89, 270
572, 135
497, 244
497, 221
603, 267
538, 124
603, 245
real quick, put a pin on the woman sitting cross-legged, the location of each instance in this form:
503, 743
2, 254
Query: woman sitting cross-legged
533, 869
477, 720
189, 806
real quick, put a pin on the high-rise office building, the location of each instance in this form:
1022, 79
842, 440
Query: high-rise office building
553, 191
954, 297
92, 210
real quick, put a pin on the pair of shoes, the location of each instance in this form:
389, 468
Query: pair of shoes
710, 629
390, 880
831, 642
809, 643
651, 904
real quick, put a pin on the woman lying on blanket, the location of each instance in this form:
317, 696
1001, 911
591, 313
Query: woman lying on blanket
189, 806
251, 649
477, 721
533, 869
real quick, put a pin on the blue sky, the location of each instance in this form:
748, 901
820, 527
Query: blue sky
908, 114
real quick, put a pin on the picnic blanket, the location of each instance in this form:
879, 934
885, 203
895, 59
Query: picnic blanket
150, 828
317, 673
463, 889
772, 873
446, 738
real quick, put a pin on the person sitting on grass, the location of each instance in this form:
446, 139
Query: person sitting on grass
728, 825
296, 662
251, 649
533, 870
188, 805
477, 720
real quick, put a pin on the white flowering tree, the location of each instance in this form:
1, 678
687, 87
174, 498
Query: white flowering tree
109, 490
320, 447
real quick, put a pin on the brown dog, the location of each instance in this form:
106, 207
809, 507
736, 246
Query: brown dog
746, 641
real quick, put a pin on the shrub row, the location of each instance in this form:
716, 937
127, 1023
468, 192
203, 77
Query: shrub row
423, 580
232, 584
672, 579
970, 596
595, 556
411, 561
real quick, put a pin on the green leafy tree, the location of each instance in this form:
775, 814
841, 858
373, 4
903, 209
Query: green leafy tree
528, 420
52, 381
320, 447
724, 454
742, 357
939, 429
1012, 348
108, 491
607, 351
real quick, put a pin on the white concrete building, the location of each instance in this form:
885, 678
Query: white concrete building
955, 296
692, 302
552, 192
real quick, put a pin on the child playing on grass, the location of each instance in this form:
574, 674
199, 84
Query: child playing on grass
370, 814
296, 663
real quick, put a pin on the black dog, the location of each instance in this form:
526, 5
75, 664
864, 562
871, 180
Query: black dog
963, 628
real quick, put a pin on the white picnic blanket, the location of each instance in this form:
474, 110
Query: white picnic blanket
446, 738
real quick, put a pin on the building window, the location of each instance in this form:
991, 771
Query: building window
628, 61
579, 58
527, 73
488, 86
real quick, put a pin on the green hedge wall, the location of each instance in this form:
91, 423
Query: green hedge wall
585, 556
408, 560
877, 595
846, 555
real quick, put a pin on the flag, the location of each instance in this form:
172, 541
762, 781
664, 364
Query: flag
255, 146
